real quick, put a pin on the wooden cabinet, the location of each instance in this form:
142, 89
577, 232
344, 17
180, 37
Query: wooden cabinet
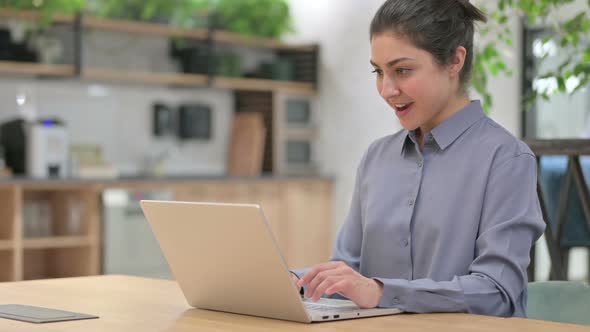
307, 211
10, 215
52, 229
48, 231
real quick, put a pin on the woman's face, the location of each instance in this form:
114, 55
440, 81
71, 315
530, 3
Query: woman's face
412, 83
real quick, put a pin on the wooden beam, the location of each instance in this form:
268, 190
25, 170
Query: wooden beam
30, 68
31, 15
252, 84
151, 29
226, 37
125, 76
560, 146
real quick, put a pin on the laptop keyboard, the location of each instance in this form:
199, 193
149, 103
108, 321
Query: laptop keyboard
309, 305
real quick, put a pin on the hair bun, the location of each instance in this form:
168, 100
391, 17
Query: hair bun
472, 12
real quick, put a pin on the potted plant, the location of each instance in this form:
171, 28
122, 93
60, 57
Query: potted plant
180, 13
260, 18
48, 8
23, 40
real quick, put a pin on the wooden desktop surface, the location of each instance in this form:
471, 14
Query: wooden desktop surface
139, 304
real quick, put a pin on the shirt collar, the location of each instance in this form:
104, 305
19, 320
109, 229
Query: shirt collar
447, 132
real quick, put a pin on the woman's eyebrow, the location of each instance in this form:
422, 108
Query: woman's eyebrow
392, 62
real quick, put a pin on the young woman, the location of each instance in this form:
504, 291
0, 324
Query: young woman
444, 212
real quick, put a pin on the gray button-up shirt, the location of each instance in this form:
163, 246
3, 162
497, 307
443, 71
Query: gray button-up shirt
449, 228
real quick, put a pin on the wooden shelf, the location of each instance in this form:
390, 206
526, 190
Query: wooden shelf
226, 37
31, 15
163, 30
158, 29
252, 84
144, 77
6, 244
113, 75
152, 29
58, 242
176, 79
29, 68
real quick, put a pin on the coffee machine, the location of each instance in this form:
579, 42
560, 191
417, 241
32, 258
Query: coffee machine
37, 148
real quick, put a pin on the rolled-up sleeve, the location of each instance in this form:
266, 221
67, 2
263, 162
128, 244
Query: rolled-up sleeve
510, 223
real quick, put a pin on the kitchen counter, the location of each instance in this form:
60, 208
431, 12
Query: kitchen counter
298, 210
172, 178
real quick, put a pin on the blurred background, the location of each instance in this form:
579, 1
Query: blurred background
107, 102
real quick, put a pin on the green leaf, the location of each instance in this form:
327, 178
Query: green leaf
501, 65
561, 84
563, 42
487, 102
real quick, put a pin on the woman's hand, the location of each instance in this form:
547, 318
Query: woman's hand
337, 277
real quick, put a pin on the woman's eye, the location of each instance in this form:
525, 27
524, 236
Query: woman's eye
378, 72
402, 71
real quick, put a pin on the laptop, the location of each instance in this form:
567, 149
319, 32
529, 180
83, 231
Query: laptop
224, 258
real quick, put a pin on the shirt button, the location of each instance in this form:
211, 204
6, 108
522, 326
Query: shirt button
405, 242
411, 202
420, 164
395, 300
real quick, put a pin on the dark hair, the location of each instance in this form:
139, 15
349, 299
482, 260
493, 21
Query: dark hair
436, 26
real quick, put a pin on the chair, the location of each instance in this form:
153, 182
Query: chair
565, 208
559, 301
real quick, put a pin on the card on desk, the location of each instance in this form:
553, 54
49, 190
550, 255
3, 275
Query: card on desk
31, 314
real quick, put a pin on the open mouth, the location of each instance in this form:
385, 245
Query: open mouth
403, 109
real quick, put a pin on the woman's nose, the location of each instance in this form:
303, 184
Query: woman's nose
389, 88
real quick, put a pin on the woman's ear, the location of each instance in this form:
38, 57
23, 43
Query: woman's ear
457, 61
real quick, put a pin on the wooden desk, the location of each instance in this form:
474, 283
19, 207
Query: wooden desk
138, 304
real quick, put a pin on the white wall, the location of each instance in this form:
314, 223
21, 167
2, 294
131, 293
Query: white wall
119, 117
352, 114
